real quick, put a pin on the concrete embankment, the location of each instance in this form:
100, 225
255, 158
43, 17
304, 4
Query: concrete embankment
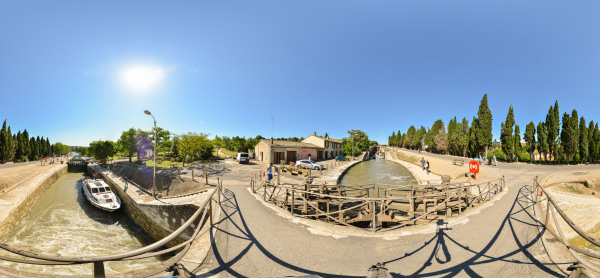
15, 203
334, 176
416, 171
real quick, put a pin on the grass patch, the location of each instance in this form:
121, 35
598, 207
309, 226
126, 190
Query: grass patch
574, 189
164, 164
228, 152
409, 158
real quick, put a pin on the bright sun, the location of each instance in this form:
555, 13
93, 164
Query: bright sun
142, 77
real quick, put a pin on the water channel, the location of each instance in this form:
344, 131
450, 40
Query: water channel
377, 171
64, 223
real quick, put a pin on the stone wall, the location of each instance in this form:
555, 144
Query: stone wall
22, 206
157, 220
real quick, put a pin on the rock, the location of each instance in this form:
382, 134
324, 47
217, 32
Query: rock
587, 183
446, 179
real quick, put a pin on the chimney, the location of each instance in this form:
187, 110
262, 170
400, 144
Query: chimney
315, 133
271, 140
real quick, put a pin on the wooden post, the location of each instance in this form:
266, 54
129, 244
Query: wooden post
448, 210
411, 201
292, 206
460, 190
192, 174
99, 270
321, 171
206, 177
211, 211
373, 222
547, 212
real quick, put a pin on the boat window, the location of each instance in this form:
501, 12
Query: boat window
101, 189
94, 190
107, 189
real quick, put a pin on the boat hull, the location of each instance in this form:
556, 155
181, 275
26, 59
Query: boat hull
94, 203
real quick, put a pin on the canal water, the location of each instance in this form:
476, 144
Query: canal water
377, 171
64, 223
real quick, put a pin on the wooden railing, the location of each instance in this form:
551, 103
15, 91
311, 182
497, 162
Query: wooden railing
396, 205
541, 197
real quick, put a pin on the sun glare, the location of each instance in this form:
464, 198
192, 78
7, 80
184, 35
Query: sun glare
142, 77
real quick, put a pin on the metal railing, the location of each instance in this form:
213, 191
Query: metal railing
540, 195
206, 208
401, 205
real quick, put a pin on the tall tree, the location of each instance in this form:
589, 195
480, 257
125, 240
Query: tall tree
517, 144
595, 150
506, 134
26, 144
484, 126
591, 141
530, 139
432, 133
583, 140
463, 136
3, 143
126, 143
569, 135
10, 155
553, 129
102, 150
542, 137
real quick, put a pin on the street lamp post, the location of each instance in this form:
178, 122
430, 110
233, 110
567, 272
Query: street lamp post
155, 139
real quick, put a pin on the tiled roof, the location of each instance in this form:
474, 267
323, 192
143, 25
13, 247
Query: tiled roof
290, 144
328, 139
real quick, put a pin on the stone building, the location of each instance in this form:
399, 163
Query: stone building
275, 151
331, 147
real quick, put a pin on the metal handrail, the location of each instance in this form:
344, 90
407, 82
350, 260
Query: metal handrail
537, 187
53, 260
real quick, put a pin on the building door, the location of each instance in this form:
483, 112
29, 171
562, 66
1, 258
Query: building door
291, 156
278, 157
319, 154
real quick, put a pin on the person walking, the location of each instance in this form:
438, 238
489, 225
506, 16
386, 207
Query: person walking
423, 163
270, 172
495, 161
427, 166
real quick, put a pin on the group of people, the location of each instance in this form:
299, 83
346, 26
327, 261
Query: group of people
425, 165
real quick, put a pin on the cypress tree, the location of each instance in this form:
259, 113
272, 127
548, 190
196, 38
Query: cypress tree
595, 150
569, 135
530, 139
517, 144
583, 140
590, 141
542, 137
3, 143
553, 129
484, 126
506, 134
10, 145
26, 144
463, 137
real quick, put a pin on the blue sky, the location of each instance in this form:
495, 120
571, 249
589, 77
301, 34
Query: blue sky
226, 67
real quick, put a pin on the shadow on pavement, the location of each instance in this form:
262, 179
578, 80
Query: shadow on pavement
441, 252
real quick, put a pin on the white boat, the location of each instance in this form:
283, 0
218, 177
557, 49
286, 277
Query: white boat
100, 195
379, 156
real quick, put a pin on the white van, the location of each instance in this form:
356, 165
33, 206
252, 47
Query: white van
243, 158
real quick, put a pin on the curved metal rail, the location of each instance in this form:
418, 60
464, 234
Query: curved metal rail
377, 203
551, 209
206, 208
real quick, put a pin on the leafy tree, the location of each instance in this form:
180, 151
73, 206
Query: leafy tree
26, 144
193, 145
126, 143
472, 138
432, 133
33, 154
409, 139
164, 136
506, 134
218, 142
569, 135
441, 141
542, 137
583, 140
143, 144
484, 126
175, 147
101, 150
530, 139
357, 139
463, 136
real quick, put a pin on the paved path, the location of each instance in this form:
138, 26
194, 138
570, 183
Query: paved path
501, 241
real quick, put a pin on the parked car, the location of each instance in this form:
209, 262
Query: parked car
243, 158
341, 158
309, 164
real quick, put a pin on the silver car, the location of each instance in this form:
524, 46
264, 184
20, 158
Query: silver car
309, 164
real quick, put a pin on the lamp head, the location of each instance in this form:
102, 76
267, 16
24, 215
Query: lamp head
147, 112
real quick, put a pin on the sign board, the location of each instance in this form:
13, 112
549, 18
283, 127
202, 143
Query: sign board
474, 166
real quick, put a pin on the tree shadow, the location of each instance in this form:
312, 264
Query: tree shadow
441, 253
